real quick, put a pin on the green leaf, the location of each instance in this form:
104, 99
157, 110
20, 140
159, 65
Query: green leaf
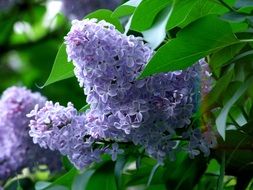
19, 186
239, 27
247, 128
40, 185
250, 186
187, 11
141, 20
118, 170
123, 10
194, 42
207, 182
58, 187
157, 187
104, 14
81, 181
244, 3
213, 167
65, 180
61, 69
237, 116
222, 171
222, 117
235, 17
141, 175
243, 55
159, 27
103, 178
184, 173
247, 107
66, 163
21, 182
238, 147
219, 58
126, 9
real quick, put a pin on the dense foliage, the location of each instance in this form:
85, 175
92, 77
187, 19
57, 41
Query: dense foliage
159, 83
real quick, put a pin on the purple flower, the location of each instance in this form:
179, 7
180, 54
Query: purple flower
147, 112
17, 148
114, 151
63, 129
199, 141
49, 121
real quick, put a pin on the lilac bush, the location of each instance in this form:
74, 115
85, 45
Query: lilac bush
16, 146
149, 113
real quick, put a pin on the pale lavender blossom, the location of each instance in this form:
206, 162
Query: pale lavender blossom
16, 102
115, 151
16, 146
199, 141
147, 112
63, 129
11, 157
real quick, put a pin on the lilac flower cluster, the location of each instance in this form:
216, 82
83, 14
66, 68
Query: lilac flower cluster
16, 147
199, 142
145, 112
79, 8
63, 129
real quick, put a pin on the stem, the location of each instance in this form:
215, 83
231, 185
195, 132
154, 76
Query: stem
154, 169
243, 55
222, 172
